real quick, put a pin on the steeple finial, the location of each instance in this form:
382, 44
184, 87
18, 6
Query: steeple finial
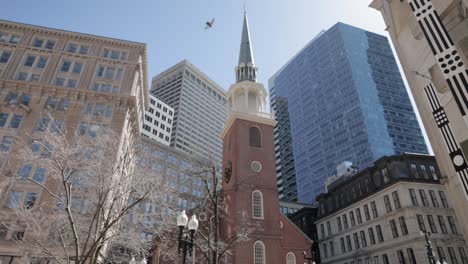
246, 69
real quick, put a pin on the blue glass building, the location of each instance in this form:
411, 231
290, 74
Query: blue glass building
346, 101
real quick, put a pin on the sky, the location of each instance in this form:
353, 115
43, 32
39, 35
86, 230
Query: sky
174, 29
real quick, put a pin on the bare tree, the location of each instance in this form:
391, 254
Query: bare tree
94, 198
211, 247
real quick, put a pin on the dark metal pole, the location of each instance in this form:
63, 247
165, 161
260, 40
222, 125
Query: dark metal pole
184, 252
430, 254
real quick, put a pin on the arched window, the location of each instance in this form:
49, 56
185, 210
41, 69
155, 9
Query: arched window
290, 258
257, 205
255, 137
259, 252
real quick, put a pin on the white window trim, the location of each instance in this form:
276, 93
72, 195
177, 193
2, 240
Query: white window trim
261, 204
289, 255
258, 242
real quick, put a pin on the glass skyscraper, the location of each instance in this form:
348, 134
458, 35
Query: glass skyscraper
346, 101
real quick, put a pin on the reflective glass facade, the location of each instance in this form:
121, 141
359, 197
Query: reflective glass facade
346, 101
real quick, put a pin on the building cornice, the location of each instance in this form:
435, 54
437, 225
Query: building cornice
257, 119
70, 34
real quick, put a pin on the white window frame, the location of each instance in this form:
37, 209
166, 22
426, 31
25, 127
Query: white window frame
263, 260
254, 205
78, 48
290, 258
10, 36
45, 39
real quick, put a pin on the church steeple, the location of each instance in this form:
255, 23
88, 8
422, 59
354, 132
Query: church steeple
246, 69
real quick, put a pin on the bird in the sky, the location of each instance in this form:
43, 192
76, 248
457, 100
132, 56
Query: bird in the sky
209, 24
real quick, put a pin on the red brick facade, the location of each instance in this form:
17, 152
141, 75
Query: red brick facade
277, 233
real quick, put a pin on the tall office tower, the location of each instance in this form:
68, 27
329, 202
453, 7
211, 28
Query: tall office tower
158, 121
84, 82
346, 102
200, 109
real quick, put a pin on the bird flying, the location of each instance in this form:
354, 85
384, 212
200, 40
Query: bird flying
209, 24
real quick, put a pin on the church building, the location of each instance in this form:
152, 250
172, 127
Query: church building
249, 179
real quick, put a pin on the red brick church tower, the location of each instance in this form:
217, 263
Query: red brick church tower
249, 174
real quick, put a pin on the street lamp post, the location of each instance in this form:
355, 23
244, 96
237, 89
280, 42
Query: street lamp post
186, 242
429, 251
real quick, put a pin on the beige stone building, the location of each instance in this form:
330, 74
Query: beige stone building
376, 215
431, 40
84, 81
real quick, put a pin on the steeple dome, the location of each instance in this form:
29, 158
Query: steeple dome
246, 69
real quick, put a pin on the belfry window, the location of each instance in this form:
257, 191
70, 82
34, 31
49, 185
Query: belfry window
259, 252
255, 137
257, 205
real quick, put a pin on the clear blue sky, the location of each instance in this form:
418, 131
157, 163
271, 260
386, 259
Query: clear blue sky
174, 29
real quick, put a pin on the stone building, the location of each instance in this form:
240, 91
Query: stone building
377, 215
84, 81
249, 181
431, 40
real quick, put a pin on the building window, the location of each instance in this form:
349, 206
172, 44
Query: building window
332, 249
322, 231
443, 199
414, 199
290, 258
371, 235
257, 205
411, 256
440, 252
374, 210
115, 54
36, 173
385, 259
351, 217
255, 137
5, 56
356, 241
16, 121
5, 143
379, 233
376, 259
358, 215
14, 199
338, 221
366, 212
259, 253
433, 173
109, 73
385, 175
44, 43
463, 255
348, 242
452, 255
404, 228
434, 201
345, 221
363, 239
329, 228
421, 224
423, 196
414, 170
388, 205
11, 38
424, 171
343, 247
443, 227
452, 225
393, 226
432, 224
31, 61
396, 200
324, 250
401, 257
75, 48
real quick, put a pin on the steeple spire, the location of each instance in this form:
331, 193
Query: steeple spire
246, 69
